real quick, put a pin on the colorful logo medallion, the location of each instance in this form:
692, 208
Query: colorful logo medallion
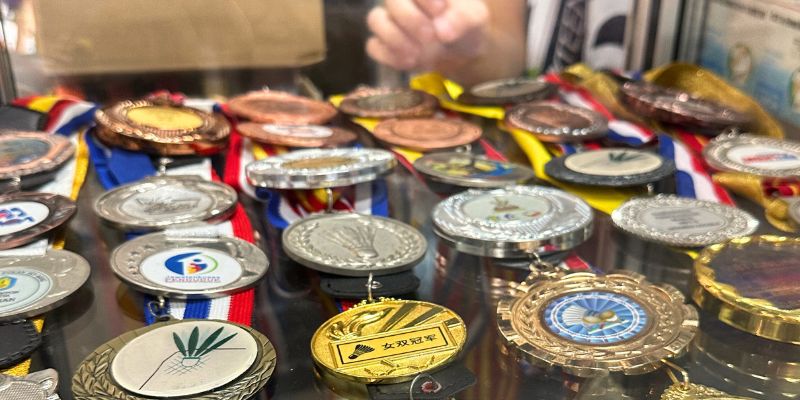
470, 168
595, 317
766, 157
17, 216
21, 287
507, 208
191, 269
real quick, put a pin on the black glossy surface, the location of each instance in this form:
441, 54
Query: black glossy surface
290, 306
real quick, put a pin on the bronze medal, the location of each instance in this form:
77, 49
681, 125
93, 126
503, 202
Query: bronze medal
158, 127
297, 135
680, 108
32, 156
24, 217
426, 134
389, 103
281, 108
555, 122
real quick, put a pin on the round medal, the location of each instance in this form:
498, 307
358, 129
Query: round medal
32, 156
507, 91
427, 134
207, 359
20, 339
513, 222
353, 244
163, 201
388, 341
297, 135
470, 170
389, 103
33, 285
24, 217
181, 265
40, 385
320, 168
589, 325
610, 167
680, 108
554, 122
275, 107
755, 155
682, 222
746, 283
160, 128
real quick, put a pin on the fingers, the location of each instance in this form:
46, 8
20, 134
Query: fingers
388, 33
411, 19
433, 8
460, 19
384, 55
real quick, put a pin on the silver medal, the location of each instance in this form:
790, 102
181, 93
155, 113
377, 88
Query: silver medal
187, 265
40, 385
320, 168
353, 244
682, 222
757, 155
158, 202
192, 358
33, 285
513, 222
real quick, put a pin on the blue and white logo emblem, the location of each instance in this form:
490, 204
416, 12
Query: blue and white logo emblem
595, 317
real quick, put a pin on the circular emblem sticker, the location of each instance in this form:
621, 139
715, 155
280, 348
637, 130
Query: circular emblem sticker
190, 268
507, 208
184, 359
303, 131
595, 317
16, 216
613, 162
167, 201
21, 151
21, 287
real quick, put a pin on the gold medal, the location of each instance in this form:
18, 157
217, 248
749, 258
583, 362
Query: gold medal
744, 282
388, 341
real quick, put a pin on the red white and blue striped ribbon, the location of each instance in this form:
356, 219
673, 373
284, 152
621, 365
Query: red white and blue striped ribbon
64, 116
691, 178
619, 130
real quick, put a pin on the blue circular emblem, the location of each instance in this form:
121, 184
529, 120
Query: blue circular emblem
595, 317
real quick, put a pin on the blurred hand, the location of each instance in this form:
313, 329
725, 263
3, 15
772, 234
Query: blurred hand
418, 34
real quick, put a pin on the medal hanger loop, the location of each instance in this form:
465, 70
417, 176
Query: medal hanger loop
651, 189
328, 200
466, 148
13, 185
163, 162
372, 285
158, 309
540, 267
430, 380
671, 369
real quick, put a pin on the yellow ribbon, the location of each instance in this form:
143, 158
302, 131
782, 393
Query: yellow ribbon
81, 166
446, 91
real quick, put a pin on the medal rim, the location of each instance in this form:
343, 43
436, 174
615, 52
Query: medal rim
553, 350
317, 112
254, 264
371, 164
294, 251
715, 153
66, 280
116, 130
469, 96
382, 379
624, 218
349, 104
60, 151
557, 169
638, 96
598, 124
255, 378
219, 211
523, 173
254, 131
467, 133
60, 210
756, 316
465, 241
